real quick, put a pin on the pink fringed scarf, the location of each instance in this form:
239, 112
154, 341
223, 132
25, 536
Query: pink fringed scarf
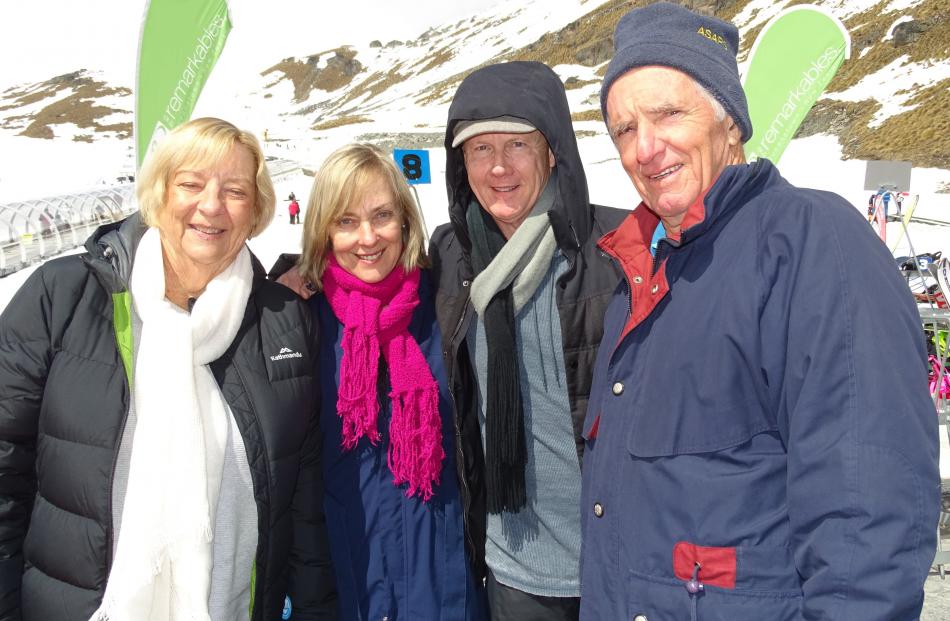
376, 316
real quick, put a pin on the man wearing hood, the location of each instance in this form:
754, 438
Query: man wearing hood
760, 442
522, 290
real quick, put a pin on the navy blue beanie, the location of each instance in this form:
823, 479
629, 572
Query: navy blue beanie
702, 47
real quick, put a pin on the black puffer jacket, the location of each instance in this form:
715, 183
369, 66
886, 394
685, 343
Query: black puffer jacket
64, 399
531, 91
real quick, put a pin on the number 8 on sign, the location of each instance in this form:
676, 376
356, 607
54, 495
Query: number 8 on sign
414, 165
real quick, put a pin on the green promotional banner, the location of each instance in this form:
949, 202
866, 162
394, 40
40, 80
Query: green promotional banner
181, 40
792, 61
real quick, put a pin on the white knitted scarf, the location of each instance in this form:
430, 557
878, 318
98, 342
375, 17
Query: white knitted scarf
162, 565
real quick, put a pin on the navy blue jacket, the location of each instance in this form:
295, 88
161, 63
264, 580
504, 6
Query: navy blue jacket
394, 557
759, 407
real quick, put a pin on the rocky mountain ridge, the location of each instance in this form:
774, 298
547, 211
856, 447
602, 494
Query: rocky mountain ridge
900, 49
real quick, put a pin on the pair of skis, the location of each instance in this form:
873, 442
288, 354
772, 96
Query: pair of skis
908, 212
879, 215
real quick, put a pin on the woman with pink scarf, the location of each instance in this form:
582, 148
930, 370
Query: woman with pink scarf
392, 502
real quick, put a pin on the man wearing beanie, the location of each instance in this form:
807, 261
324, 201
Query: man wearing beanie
521, 293
760, 441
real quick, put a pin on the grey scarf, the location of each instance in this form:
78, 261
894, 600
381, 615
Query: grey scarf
507, 275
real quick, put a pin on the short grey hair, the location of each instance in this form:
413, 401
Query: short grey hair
719, 111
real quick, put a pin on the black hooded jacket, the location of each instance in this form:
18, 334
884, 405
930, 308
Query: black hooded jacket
533, 92
64, 399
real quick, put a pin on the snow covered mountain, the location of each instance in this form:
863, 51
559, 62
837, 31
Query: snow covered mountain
887, 102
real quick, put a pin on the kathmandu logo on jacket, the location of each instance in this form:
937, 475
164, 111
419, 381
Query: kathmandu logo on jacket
286, 352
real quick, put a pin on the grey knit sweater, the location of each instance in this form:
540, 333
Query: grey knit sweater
537, 549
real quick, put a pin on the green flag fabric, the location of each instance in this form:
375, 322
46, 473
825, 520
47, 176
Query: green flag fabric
790, 64
181, 41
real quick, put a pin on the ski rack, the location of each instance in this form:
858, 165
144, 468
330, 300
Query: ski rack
935, 320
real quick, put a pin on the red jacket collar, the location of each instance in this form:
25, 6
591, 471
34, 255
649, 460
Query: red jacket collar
629, 245
637, 229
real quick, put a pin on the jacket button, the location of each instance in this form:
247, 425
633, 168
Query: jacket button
466, 283
617, 388
598, 510
654, 289
640, 618
637, 280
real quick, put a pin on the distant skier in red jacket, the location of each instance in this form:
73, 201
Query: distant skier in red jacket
294, 209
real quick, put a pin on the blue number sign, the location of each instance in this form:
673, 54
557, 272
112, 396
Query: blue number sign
414, 165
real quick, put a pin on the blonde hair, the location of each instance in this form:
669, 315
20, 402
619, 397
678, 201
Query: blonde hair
342, 181
201, 143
